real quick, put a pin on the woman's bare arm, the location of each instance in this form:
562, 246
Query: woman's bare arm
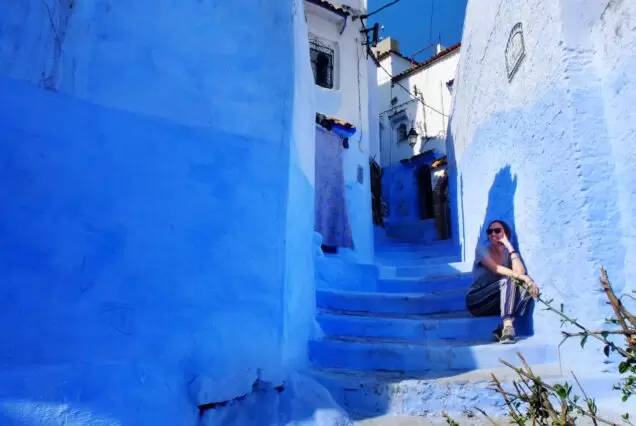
501, 270
515, 259
489, 263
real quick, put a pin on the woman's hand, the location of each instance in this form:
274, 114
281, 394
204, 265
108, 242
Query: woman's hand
532, 286
505, 242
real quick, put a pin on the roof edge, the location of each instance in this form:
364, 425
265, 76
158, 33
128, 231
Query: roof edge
427, 62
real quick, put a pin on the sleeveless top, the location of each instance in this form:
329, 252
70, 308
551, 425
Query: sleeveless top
481, 272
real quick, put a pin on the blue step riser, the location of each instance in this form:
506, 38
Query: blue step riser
413, 226
466, 329
417, 261
426, 270
381, 304
426, 252
405, 246
427, 237
422, 286
419, 358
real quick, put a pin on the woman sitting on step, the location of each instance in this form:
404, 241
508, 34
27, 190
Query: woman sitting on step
493, 291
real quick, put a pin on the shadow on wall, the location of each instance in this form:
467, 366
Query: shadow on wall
455, 193
501, 206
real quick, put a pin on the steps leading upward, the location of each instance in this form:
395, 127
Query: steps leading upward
400, 341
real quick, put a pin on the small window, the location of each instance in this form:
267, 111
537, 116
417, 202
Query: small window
322, 61
402, 134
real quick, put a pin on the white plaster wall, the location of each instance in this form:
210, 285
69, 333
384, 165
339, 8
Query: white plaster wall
431, 83
482, 88
614, 46
350, 102
548, 151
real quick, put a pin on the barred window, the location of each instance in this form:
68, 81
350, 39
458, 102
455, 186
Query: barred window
402, 134
322, 61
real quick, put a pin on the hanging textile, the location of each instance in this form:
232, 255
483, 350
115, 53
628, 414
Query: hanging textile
332, 218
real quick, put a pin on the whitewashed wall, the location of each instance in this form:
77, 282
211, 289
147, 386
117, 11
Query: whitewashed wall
549, 150
431, 83
349, 101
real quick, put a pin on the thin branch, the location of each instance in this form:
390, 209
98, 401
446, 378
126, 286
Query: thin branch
588, 401
543, 384
566, 318
494, 423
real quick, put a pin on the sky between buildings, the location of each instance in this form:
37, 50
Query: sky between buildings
409, 21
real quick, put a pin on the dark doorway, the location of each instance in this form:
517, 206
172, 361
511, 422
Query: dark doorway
425, 192
376, 193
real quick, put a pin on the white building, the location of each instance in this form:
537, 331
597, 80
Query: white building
413, 95
344, 76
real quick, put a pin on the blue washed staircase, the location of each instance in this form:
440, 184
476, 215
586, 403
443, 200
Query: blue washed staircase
397, 339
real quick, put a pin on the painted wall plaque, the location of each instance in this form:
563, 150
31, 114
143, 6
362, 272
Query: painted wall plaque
515, 50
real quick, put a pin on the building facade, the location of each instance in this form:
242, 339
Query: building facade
415, 100
158, 209
541, 137
344, 77
413, 95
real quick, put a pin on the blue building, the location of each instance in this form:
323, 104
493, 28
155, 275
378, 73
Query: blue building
159, 261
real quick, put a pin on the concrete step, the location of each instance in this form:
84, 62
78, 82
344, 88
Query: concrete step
457, 326
425, 271
435, 270
413, 230
337, 274
445, 246
422, 357
370, 394
391, 303
399, 260
420, 285
366, 394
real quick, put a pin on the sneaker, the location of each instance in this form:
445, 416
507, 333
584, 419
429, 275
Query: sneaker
497, 332
507, 336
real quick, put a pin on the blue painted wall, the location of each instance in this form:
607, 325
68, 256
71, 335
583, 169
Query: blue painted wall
148, 261
400, 188
548, 150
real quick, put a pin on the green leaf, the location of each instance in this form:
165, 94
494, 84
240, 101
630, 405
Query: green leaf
623, 367
606, 350
625, 416
562, 392
583, 340
605, 334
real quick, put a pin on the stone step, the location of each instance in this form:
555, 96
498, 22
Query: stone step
400, 247
365, 394
436, 270
425, 271
406, 260
413, 230
457, 326
391, 303
337, 274
422, 357
458, 282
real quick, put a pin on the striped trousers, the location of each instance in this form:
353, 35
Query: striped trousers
497, 298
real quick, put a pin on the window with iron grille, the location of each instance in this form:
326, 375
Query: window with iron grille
322, 61
402, 134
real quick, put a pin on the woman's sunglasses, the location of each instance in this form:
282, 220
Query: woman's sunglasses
495, 230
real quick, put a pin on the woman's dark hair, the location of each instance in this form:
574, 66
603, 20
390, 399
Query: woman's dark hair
504, 225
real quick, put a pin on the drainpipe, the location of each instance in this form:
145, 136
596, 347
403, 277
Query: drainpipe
344, 25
